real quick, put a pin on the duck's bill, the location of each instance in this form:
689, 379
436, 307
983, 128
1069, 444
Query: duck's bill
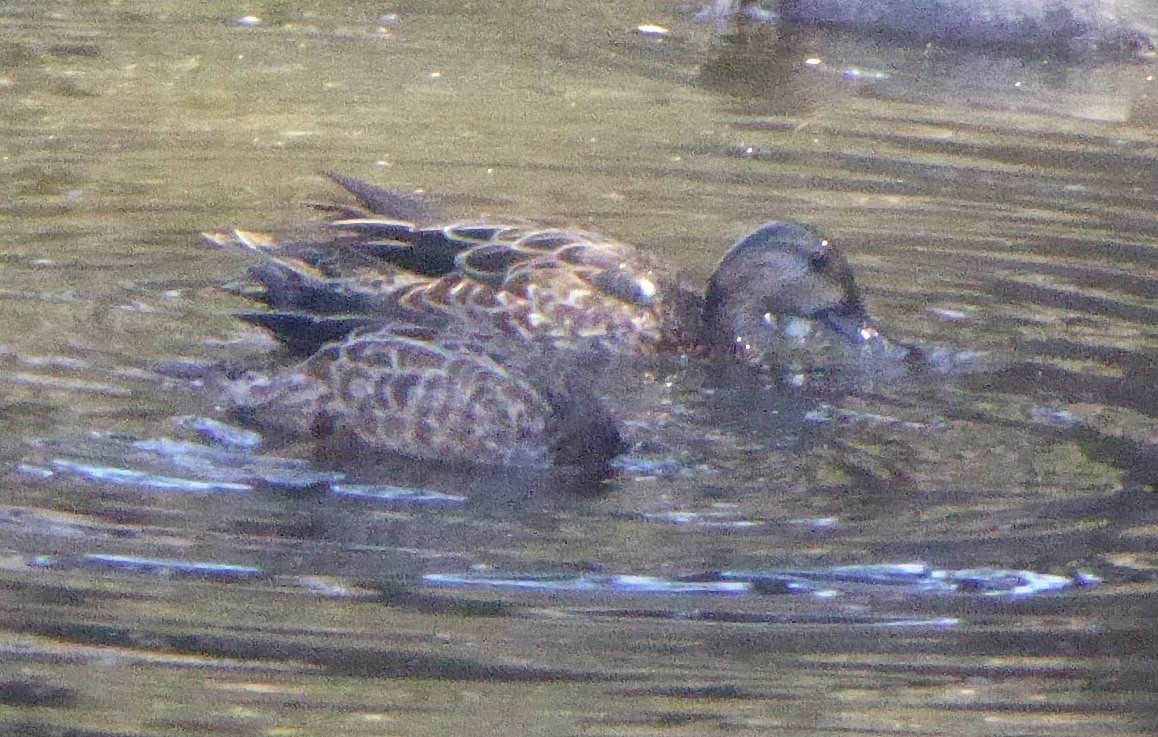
861, 335
856, 329
834, 350
827, 349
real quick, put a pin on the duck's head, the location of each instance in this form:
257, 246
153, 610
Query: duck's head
785, 295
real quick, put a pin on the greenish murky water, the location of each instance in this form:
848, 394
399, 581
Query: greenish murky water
994, 204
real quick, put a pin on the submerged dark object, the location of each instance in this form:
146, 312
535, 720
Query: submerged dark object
1075, 25
475, 341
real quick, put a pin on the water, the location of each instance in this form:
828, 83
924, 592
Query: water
972, 555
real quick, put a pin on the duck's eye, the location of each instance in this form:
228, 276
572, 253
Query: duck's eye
819, 261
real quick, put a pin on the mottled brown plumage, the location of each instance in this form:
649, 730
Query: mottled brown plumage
433, 398
565, 287
462, 341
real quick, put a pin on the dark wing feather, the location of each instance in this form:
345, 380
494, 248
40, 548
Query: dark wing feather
302, 333
382, 201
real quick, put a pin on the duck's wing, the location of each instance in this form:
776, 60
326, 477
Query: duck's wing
393, 230
303, 334
307, 306
525, 278
565, 286
425, 397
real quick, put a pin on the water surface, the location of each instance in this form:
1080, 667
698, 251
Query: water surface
988, 203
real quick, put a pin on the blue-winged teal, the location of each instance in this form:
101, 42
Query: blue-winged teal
451, 342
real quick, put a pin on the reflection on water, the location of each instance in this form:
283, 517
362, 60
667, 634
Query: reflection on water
761, 562
787, 71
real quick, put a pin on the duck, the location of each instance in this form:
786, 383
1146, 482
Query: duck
413, 392
473, 341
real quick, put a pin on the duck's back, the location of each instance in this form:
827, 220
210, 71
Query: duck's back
567, 287
440, 399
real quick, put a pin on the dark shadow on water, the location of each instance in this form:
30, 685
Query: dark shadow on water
483, 488
778, 69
